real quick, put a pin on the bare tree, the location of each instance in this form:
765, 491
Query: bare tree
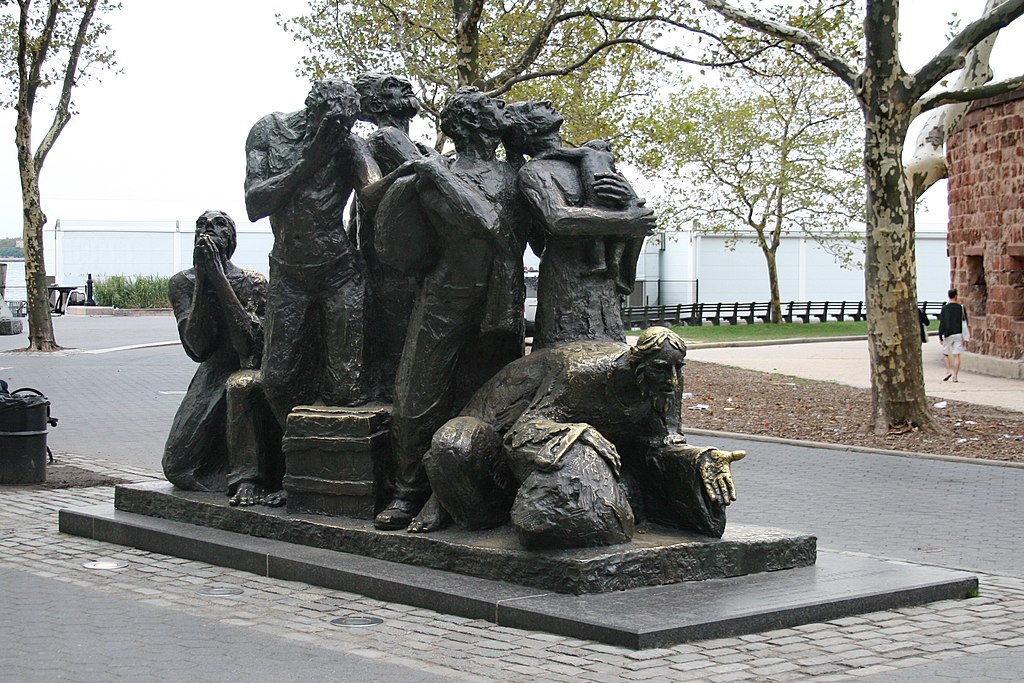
55, 43
890, 98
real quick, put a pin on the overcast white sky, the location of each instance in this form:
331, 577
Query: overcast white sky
165, 139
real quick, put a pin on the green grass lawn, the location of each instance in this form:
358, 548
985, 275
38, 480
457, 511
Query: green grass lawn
725, 333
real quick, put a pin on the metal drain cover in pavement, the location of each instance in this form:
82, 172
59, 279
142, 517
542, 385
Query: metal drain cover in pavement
357, 621
220, 590
105, 564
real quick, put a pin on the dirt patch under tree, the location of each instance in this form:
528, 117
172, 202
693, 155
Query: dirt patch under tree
751, 402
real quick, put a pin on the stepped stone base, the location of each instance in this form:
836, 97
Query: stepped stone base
655, 616
656, 557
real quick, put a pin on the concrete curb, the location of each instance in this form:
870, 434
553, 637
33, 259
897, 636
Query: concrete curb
770, 342
854, 449
110, 310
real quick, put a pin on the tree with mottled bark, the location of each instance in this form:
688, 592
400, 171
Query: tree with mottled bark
890, 98
927, 163
52, 43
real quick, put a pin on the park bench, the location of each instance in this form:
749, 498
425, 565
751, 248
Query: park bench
756, 311
716, 313
751, 312
932, 309
805, 310
848, 309
678, 314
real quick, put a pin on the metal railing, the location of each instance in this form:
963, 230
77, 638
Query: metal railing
753, 312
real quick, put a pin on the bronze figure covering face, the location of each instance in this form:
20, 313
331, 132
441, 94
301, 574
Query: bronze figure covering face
219, 228
301, 170
223, 436
332, 97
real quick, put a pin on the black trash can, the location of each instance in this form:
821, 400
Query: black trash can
23, 420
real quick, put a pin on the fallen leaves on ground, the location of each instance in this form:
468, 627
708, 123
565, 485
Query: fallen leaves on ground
749, 402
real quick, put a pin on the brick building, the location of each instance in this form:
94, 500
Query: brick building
985, 155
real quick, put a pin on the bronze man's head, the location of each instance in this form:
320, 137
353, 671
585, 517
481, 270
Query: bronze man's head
657, 359
332, 96
220, 228
469, 111
531, 122
383, 96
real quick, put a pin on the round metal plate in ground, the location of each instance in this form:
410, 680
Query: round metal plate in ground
105, 564
220, 590
356, 622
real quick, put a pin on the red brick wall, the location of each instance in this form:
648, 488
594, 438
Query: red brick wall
986, 223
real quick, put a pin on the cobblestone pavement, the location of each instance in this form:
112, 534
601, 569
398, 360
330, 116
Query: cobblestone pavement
116, 407
64, 622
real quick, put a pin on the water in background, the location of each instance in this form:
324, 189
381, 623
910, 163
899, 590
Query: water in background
15, 279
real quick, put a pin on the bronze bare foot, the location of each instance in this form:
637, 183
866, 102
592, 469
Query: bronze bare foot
275, 499
432, 517
246, 494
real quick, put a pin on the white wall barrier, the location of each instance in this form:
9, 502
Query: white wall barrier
807, 272
73, 249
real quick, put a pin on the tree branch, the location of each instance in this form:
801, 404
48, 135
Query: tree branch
927, 164
530, 53
817, 50
968, 94
40, 53
62, 113
954, 55
598, 49
404, 18
467, 40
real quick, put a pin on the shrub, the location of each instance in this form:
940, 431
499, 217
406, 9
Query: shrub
139, 291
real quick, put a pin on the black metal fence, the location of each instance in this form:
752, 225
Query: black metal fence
637, 317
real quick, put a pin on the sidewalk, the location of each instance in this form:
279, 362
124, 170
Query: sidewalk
847, 362
64, 621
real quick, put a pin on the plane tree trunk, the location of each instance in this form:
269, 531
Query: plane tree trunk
40, 322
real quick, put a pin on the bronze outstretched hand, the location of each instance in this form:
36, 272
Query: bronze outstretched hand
716, 473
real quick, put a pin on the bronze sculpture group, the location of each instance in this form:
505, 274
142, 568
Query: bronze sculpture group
414, 301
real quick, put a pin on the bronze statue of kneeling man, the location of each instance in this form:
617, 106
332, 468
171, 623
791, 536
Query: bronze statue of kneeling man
576, 443
223, 437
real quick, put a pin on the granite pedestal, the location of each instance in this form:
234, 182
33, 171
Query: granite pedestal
655, 556
654, 616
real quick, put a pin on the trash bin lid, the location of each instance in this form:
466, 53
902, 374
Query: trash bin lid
21, 401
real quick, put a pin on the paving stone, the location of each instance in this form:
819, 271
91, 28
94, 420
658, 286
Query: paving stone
692, 665
290, 614
775, 669
729, 677
986, 647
